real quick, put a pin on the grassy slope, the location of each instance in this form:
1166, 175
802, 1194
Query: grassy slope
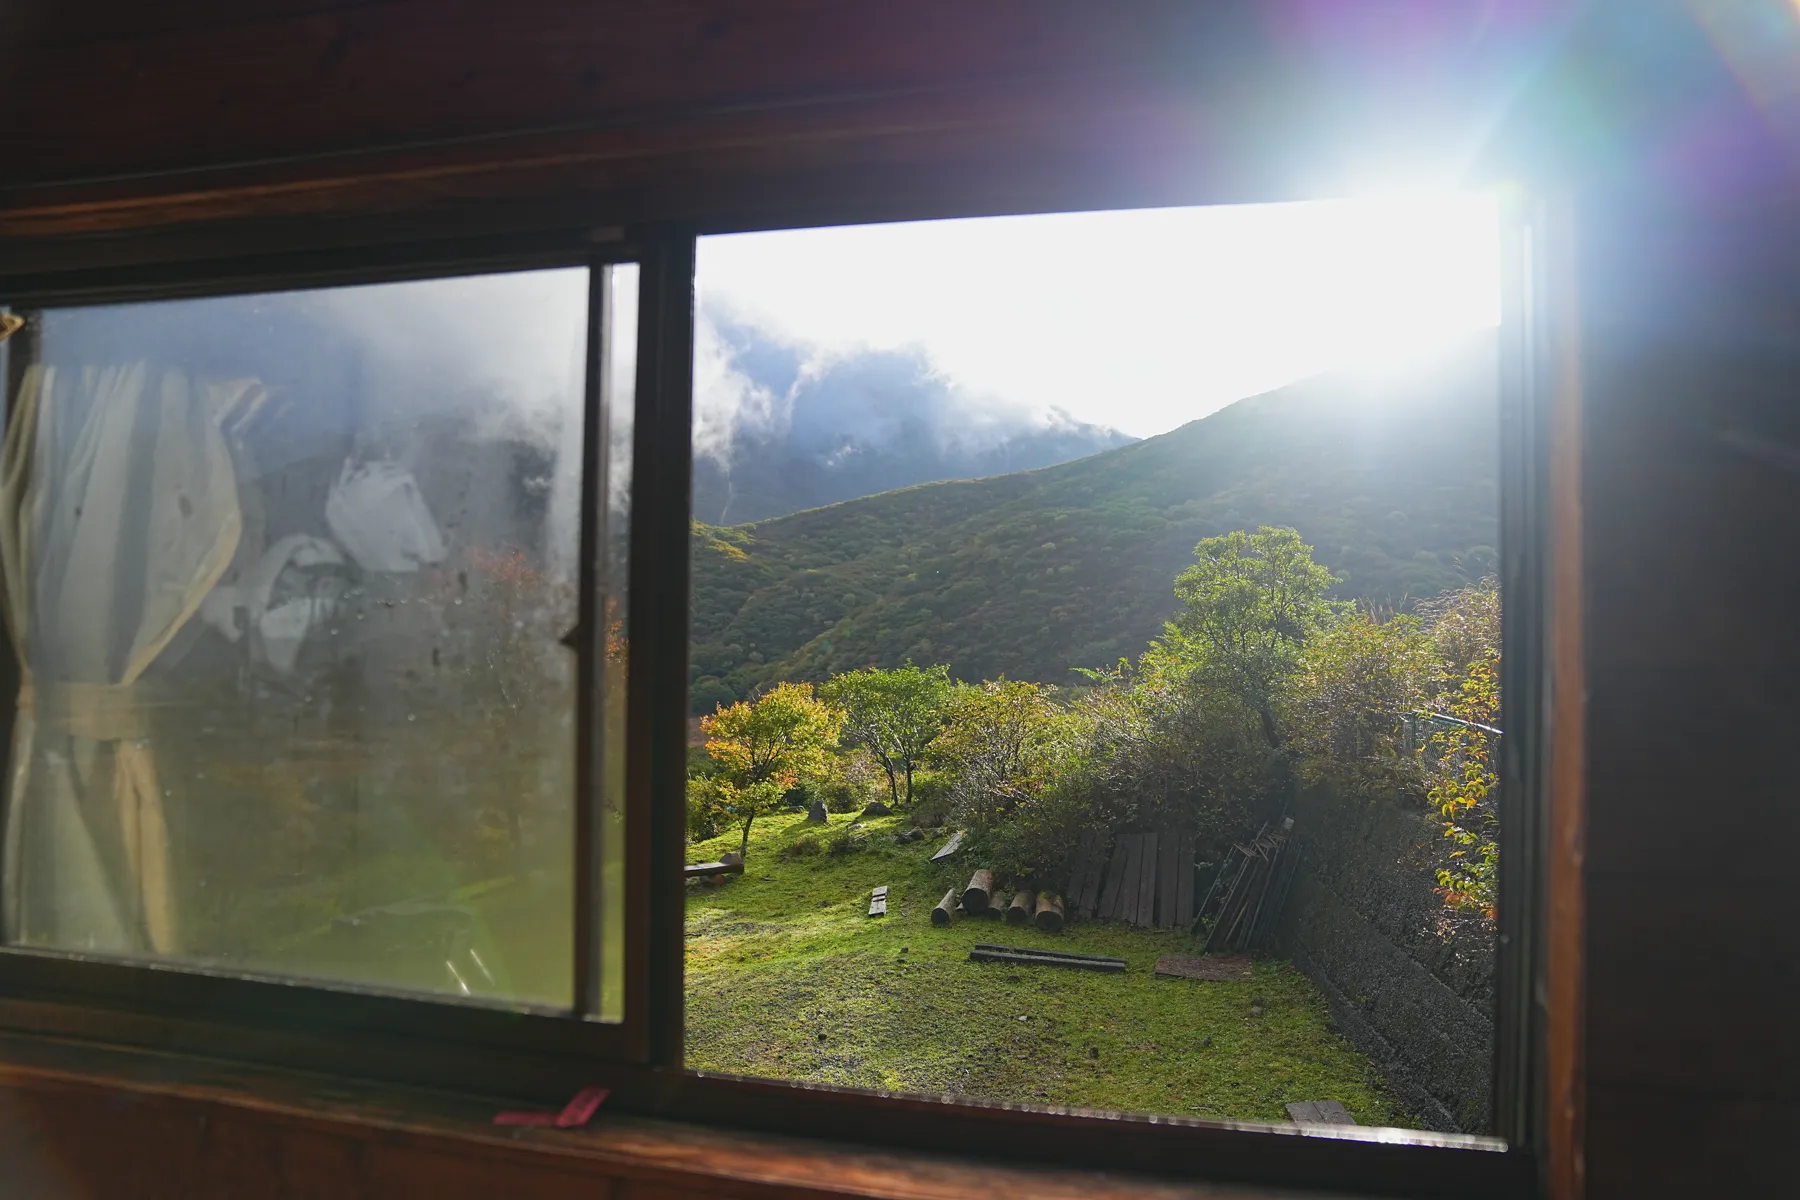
786, 953
1031, 573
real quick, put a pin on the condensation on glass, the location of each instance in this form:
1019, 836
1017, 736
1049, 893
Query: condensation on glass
291, 578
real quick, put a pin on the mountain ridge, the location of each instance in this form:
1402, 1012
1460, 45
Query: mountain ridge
781, 429
1031, 573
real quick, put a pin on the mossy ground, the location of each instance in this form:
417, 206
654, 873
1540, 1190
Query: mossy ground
789, 978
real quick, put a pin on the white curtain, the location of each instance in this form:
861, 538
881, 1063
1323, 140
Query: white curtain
118, 513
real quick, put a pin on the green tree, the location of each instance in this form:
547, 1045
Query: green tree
1461, 764
894, 715
765, 747
1249, 603
1002, 745
1347, 703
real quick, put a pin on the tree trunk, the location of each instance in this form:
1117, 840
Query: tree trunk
981, 888
744, 846
1024, 904
1050, 912
941, 914
909, 782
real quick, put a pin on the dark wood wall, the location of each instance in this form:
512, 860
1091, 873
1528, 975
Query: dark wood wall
1692, 487
201, 120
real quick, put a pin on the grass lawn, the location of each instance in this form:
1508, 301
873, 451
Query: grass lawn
789, 978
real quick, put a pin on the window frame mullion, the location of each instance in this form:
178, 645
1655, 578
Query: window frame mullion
656, 761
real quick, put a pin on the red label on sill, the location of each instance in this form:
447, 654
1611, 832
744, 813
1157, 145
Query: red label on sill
574, 1114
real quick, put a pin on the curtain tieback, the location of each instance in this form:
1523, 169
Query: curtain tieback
102, 712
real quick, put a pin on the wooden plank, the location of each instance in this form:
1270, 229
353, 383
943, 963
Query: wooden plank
950, 847
1184, 888
1168, 879
1078, 863
1115, 880
1216, 968
695, 870
1084, 854
1126, 905
1096, 871
1146, 898
878, 902
1319, 1112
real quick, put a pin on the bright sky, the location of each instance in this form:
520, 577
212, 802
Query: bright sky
1142, 320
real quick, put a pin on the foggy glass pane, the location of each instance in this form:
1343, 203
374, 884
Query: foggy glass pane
290, 576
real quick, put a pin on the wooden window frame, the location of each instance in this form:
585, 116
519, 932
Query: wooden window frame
368, 1034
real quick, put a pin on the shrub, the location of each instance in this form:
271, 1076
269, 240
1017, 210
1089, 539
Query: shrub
806, 847
845, 842
1347, 706
707, 813
708, 694
1002, 744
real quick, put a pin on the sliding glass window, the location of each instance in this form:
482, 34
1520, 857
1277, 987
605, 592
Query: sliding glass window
296, 586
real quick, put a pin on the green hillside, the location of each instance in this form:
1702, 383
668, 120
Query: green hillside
1029, 574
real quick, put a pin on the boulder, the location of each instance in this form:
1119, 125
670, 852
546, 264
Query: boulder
817, 815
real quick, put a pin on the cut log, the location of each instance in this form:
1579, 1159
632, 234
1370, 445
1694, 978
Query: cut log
1050, 912
941, 914
980, 891
1024, 904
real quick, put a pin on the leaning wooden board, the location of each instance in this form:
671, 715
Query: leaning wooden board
1167, 879
1184, 894
1146, 901
878, 902
1115, 880
1088, 875
1126, 908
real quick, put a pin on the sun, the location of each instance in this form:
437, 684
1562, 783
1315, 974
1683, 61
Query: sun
1419, 272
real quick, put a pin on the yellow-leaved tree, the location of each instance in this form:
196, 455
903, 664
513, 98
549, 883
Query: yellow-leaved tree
766, 746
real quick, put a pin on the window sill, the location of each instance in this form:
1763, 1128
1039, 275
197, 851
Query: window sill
209, 1128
